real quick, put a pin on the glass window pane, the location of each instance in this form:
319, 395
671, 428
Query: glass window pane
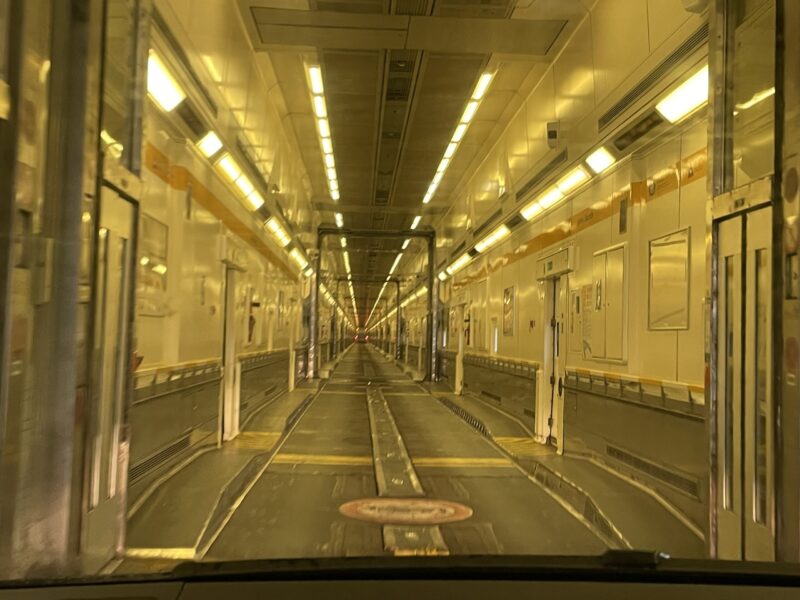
760, 357
118, 78
729, 384
753, 91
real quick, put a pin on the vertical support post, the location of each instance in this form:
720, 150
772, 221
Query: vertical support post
292, 351
313, 351
458, 383
433, 310
720, 180
397, 323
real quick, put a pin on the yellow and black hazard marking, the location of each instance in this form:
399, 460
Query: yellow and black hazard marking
256, 440
523, 447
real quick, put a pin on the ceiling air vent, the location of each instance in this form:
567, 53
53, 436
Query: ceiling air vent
398, 89
692, 43
488, 222
541, 175
381, 197
411, 7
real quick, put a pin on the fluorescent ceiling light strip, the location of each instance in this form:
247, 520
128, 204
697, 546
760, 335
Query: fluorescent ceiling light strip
600, 160
209, 144
686, 98
315, 79
245, 185
415, 222
161, 85
406, 243
255, 200
324, 128
490, 240
320, 109
339, 219
482, 86
229, 167
297, 256
278, 231
458, 264
572, 180
459, 132
469, 112
442, 275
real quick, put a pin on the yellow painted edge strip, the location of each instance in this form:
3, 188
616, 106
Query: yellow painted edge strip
451, 461
173, 553
322, 459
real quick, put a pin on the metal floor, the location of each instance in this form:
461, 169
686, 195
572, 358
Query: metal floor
369, 432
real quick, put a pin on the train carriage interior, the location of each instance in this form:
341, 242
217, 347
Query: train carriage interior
378, 297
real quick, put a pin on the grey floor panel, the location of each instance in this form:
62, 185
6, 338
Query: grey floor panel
639, 516
293, 516
174, 515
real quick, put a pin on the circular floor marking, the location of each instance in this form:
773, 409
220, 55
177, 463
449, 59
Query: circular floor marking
405, 511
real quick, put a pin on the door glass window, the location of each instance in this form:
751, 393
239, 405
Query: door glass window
729, 384
753, 91
760, 356
119, 79
5, 100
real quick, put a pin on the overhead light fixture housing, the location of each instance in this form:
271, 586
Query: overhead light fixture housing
600, 160
161, 85
686, 98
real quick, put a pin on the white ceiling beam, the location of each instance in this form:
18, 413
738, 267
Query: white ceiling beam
272, 28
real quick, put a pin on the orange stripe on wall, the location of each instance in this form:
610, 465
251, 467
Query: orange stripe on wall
179, 178
688, 170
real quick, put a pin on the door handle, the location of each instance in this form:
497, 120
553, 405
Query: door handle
560, 386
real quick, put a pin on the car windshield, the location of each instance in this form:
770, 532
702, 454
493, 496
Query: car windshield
381, 279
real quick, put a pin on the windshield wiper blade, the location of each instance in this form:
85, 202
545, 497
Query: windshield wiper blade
633, 558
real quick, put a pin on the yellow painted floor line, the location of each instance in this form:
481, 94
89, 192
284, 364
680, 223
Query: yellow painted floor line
174, 553
350, 460
524, 446
322, 459
457, 461
255, 440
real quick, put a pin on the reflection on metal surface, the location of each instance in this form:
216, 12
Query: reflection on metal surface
5, 100
406, 511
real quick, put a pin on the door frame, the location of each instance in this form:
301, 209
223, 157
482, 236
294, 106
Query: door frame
734, 534
110, 516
